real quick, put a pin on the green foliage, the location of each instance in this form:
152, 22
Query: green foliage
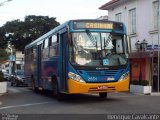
143, 82
135, 82
21, 33
1, 76
3, 55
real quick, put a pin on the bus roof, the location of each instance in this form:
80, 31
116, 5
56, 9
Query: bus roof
56, 29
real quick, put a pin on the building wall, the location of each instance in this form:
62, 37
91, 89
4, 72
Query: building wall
144, 20
19, 60
17, 63
135, 68
144, 30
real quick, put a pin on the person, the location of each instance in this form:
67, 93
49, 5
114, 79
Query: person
106, 57
111, 58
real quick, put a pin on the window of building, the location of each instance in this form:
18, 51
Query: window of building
118, 17
18, 66
155, 15
132, 21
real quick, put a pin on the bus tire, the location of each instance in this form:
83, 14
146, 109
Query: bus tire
33, 84
56, 92
54, 85
103, 95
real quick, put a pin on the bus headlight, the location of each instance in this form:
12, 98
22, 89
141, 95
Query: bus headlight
124, 76
75, 77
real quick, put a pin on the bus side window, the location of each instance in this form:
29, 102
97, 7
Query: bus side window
46, 43
34, 53
31, 53
119, 47
50, 41
43, 45
57, 48
54, 39
50, 46
45, 48
54, 47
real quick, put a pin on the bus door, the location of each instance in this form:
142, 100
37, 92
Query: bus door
39, 63
63, 62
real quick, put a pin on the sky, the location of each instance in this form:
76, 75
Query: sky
63, 10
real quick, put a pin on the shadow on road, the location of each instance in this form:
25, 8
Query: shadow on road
81, 98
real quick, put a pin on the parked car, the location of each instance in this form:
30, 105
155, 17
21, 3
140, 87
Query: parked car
18, 78
6, 76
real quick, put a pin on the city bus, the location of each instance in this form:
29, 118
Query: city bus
79, 56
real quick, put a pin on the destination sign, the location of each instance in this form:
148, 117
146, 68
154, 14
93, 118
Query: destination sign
98, 25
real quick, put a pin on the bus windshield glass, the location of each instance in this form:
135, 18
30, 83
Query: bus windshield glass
98, 49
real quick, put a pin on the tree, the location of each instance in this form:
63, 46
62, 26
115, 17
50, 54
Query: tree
21, 33
3, 55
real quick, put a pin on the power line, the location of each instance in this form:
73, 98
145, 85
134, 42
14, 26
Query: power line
2, 3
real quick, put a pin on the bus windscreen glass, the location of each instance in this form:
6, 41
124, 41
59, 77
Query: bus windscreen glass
98, 49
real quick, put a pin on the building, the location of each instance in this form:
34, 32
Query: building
141, 20
19, 60
4, 66
15, 62
103, 17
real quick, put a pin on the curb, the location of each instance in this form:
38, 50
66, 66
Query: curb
3, 93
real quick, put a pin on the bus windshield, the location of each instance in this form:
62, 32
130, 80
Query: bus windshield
98, 49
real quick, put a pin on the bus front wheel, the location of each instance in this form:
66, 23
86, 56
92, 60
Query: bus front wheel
56, 92
103, 95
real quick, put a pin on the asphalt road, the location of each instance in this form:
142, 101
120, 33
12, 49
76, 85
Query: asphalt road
21, 100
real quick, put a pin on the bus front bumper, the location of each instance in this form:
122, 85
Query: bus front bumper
77, 87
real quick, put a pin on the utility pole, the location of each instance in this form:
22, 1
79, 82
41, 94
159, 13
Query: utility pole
158, 41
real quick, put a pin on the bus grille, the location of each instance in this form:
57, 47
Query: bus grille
104, 73
101, 76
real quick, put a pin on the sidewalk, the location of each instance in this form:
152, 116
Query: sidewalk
155, 94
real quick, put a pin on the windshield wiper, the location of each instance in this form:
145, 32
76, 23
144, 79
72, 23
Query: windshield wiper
106, 43
93, 40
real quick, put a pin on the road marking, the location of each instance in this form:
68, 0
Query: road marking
24, 105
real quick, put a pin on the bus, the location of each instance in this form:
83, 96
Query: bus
79, 56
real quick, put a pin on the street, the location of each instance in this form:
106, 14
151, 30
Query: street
22, 100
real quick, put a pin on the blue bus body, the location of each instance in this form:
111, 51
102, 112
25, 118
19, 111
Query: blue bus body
52, 61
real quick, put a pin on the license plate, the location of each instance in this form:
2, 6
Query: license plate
103, 87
